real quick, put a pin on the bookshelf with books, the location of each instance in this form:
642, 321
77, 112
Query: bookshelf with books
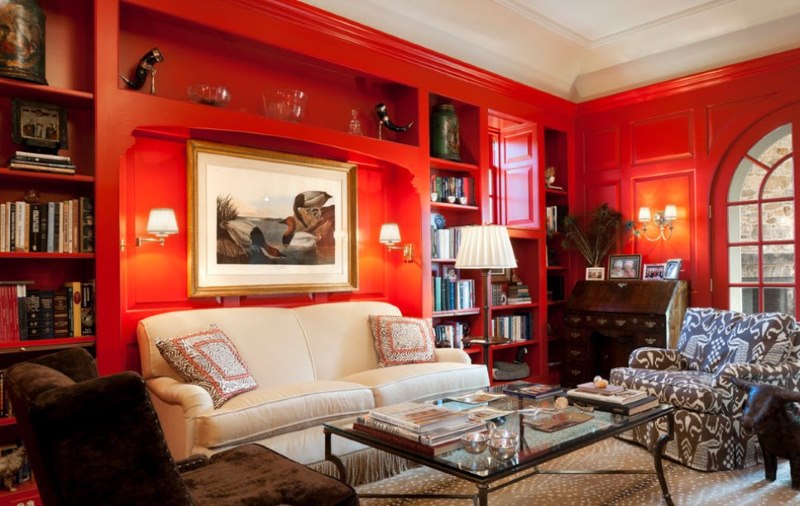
34, 183
556, 206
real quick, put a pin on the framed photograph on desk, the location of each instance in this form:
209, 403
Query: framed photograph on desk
624, 266
672, 268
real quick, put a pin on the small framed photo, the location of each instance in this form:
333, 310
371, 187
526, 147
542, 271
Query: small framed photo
653, 271
595, 273
500, 275
672, 268
624, 266
42, 127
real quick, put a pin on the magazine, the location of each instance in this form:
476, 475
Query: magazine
487, 414
557, 421
626, 396
479, 397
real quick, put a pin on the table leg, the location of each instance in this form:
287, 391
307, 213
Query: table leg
337, 462
482, 499
658, 453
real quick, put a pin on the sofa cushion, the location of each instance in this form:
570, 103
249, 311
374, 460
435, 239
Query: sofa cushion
267, 412
392, 385
402, 340
704, 337
764, 338
209, 359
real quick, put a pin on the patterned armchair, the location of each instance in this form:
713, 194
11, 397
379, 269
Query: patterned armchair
714, 346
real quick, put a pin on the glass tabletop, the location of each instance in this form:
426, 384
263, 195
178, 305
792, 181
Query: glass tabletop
537, 445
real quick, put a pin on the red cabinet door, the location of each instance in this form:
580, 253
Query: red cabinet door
518, 191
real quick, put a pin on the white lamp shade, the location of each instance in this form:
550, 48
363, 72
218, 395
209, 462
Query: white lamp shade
485, 247
644, 214
670, 212
390, 233
162, 222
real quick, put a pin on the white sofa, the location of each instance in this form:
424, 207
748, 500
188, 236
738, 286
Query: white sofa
312, 364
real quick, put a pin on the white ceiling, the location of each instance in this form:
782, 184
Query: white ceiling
584, 49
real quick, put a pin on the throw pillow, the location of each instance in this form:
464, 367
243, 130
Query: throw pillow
402, 340
208, 358
704, 337
764, 338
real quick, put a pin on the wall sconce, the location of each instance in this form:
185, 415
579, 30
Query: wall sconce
390, 236
662, 219
160, 223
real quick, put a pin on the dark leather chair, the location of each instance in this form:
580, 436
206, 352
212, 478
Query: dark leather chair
97, 441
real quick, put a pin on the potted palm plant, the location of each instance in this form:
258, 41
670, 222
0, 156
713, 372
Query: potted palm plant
593, 235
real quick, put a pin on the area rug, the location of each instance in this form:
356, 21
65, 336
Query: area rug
688, 487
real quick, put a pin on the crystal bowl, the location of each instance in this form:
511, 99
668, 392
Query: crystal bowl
209, 94
285, 104
503, 448
475, 442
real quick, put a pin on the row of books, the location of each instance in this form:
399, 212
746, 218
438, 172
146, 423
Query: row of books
445, 243
453, 295
450, 334
454, 186
48, 227
42, 162
27, 313
516, 327
424, 428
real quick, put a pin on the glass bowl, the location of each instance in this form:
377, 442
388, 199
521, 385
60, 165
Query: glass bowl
475, 442
503, 448
209, 94
285, 104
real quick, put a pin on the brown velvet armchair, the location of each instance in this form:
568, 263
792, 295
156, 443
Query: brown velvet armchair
96, 440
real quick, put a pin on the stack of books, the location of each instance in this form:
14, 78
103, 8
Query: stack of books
423, 428
42, 162
518, 293
532, 390
613, 398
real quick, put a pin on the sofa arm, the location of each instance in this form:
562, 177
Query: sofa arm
661, 359
452, 355
193, 399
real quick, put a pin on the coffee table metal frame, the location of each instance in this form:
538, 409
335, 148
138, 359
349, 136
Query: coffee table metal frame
523, 470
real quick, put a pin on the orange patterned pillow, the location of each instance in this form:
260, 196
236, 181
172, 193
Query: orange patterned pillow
208, 358
402, 340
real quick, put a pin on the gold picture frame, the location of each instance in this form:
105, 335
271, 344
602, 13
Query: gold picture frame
265, 222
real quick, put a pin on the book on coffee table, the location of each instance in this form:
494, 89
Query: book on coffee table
621, 397
402, 442
532, 390
642, 404
419, 417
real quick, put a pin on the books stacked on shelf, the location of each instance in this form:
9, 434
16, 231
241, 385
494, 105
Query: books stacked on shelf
454, 186
450, 334
423, 428
515, 327
498, 294
518, 293
445, 242
13, 312
532, 390
65, 312
42, 162
48, 227
451, 294
554, 219
613, 398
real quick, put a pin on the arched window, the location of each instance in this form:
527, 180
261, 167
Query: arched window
761, 242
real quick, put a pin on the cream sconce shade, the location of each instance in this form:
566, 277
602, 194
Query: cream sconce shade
662, 219
161, 223
390, 237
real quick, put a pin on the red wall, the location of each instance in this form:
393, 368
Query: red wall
663, 144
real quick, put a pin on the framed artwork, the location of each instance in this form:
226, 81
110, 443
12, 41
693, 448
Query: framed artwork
624, 266
653, 271
595, 274
263, 222
672, 268
42, 127
500, 275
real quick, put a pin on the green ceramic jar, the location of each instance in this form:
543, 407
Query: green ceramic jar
445, 137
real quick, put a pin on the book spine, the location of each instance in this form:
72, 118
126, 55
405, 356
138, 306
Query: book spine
86, 224
20, 221
87, 309
51, 213
74, 295
22, 313
35, 227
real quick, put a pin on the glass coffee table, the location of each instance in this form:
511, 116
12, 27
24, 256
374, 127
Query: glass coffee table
536, 447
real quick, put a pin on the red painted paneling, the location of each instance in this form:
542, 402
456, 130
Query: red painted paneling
656, 192
601, 148
662, 138
603, 193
